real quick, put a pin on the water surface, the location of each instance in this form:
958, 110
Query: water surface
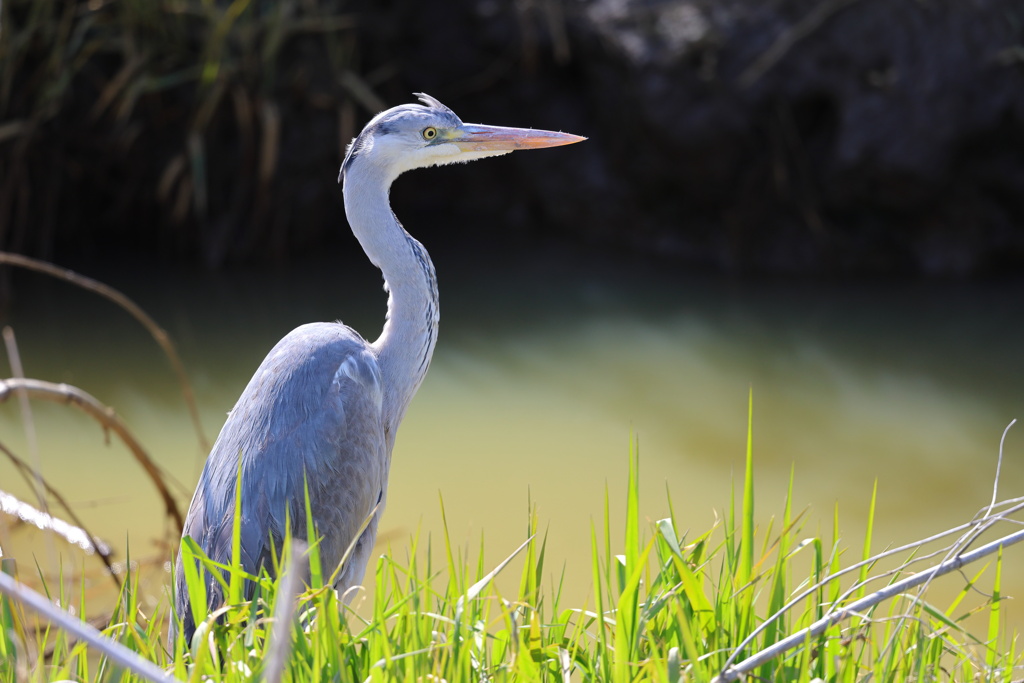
548, 361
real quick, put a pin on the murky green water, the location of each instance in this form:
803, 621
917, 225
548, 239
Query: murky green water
545, 365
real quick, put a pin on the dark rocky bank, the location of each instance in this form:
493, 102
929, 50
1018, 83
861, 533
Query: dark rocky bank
817, 136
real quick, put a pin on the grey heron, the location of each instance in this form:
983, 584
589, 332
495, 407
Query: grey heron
323, 408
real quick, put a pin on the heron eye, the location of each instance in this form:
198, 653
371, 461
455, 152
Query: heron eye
429, 133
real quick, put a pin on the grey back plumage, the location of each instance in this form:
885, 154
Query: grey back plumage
311, 417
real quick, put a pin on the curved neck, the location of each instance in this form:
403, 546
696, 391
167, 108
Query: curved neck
406, 343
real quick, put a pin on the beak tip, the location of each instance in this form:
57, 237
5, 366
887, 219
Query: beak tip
568, 139
478, 138
546, 139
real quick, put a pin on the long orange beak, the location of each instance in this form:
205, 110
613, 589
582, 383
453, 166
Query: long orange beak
475, 138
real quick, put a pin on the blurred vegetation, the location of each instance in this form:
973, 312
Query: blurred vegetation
810, 136
191, 97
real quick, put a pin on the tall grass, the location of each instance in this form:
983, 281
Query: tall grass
182, 116
666, 606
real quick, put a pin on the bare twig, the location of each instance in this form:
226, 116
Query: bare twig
108, 419
999, 467
955, 556
101, 548
810, 590
284, 611
983, 522
158, 333
29, 428
28, 424
11, 505
817, 628
117, 652
361, 91
790, 37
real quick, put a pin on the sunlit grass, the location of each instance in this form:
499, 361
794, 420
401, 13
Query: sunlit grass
666, 606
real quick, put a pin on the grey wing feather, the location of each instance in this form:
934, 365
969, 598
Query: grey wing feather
311, 417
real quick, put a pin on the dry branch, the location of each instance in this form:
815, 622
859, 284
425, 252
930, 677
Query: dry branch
968, 528
956, 556
158, 333
284, 612
859, 606
101, 548
108, 419
118, 653
785, 41
30, 515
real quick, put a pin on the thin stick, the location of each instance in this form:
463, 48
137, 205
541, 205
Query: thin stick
158, 333
101, 548
284, 611
108, 419
29, 427
11, 343
117, 652
869, 561
785, 41
27, 514
858, 606
361, 91
999, 467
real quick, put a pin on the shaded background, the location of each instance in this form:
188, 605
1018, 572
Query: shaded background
822, 200
791, 136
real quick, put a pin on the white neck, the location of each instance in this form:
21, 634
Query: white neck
406, 343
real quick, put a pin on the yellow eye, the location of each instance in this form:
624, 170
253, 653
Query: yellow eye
429, 133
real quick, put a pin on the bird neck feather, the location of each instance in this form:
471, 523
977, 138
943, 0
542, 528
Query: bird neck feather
406, 344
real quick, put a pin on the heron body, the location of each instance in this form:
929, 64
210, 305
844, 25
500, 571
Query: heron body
321, 412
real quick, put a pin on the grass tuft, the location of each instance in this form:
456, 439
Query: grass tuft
665, 608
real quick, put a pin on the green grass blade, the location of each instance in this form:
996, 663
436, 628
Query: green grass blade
866, 552
599, 599
626, 634
747, 535
478, 587
994, 614
632, 535
316, 570
235, 586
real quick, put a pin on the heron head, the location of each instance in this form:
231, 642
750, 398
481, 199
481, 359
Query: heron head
430, 134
